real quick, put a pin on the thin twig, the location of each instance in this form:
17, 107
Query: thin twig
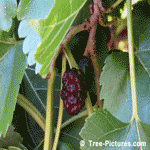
97, 11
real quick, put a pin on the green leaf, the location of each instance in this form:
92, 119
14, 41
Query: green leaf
4, 48
116, 86
115, 81
53, 29
6, 42
102, 127
83, 14
12, 68
34, 9
142, 49
69, 135
142, 53
5, 36
7, 12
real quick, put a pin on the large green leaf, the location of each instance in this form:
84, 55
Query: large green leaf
5, 36
116, 86
34, 9
116, 90
69, 136
12, 67
102, 127
4, 48
53, 29
5, 42
7, 11
143, 77
83, 14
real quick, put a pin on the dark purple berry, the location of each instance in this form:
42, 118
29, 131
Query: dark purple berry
73, 104
74, 92
73, 77
64, 94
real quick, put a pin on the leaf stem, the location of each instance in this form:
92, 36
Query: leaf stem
49, 125
61, 107
32, 110
131, 60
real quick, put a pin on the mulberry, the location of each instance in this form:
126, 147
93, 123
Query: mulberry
74, 92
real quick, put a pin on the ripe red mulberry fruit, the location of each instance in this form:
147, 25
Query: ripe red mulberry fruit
73, 80
72, 103
74, 92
